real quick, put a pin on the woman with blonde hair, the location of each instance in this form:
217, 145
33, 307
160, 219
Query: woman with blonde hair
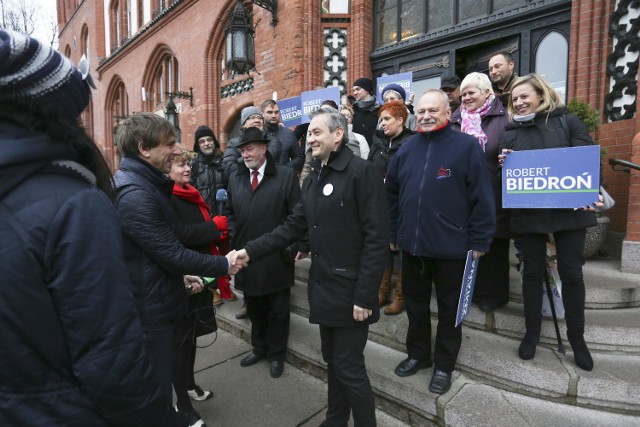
483, 115
538, 120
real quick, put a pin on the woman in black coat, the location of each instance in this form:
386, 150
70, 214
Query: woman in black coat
201, 233
386, 142
482, 115
537, 117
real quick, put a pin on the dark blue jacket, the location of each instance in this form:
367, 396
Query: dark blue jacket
71, 343
291, 153
155, 258
440, 198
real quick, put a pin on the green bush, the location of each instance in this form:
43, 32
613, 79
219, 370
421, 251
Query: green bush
589, 115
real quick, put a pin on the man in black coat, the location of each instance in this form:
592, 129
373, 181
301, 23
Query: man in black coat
344, 210
155, 258
365, 108
261, 194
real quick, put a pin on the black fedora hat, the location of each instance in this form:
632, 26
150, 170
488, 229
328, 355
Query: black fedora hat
252, 134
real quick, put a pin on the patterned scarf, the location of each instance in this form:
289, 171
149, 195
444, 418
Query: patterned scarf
472, 120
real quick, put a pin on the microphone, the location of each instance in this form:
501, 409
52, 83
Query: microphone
221, 200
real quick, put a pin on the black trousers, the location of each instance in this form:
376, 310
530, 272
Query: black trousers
418, 273
269, 315
492, 281
183, 378
570, 257
158, 342
349, 388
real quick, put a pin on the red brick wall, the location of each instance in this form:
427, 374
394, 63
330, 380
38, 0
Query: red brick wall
588, 82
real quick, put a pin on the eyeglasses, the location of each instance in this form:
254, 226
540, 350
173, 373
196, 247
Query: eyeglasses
255, 117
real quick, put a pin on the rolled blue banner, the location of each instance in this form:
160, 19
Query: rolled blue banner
466, 291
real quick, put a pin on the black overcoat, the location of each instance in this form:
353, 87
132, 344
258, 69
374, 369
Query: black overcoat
253, 213
344, 209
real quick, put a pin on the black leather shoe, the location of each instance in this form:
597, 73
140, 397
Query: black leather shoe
251, 359
410, 366
440, 382
277, 367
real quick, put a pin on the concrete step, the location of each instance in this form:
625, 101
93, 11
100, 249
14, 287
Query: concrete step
611, 330
548, 390
606, 286
607, 330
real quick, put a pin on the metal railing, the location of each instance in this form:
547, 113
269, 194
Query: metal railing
624, 165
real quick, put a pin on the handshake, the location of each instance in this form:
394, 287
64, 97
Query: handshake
237, 260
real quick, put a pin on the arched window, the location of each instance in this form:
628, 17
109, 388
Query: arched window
119, 23
84, 40
117, 109
67, 51
87, 118
166, 78
552, 59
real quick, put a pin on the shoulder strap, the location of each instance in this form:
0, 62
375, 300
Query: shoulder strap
565, 128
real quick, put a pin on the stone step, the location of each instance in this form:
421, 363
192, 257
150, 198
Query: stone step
611, 330
608, 329
606, 286
548, 390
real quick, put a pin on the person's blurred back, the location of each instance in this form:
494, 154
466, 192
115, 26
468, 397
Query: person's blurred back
71, 342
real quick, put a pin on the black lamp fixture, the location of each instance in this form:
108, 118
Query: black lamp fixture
240, 52
171, 114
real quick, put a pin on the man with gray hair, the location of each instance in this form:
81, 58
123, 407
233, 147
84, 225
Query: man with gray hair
440, 206
343, 210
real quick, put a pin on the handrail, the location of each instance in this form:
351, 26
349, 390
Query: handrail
626, 166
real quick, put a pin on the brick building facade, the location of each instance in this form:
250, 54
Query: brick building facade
141, 49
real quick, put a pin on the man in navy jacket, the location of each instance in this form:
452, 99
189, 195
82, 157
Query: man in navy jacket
155, 259
440, 206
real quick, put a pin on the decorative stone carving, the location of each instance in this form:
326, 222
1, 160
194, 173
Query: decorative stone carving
622, 63
335, 58
236, 88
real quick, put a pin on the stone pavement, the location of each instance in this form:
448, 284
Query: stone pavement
250, 397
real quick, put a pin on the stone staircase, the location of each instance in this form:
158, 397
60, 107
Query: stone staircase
491, 384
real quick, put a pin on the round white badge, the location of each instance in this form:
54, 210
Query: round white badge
328, 189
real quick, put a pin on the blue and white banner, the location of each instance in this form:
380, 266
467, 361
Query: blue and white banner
552, 178
312, 100
290, 111
405, 80
466, 292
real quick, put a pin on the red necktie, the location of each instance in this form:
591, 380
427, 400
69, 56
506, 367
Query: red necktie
254, 180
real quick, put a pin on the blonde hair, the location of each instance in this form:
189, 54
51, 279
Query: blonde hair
479, 80
185, 156
549, 98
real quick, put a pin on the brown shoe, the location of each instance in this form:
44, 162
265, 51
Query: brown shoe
217, 299
233, 297
397, 305
385, 287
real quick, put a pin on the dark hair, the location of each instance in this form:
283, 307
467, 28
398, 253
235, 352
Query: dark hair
330, 103
507, 56
61, 129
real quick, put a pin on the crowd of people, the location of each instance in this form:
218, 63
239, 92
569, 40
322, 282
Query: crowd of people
111, 279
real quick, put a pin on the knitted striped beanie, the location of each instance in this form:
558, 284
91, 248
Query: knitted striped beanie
30, 70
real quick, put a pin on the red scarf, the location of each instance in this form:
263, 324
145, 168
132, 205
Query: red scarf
190, 194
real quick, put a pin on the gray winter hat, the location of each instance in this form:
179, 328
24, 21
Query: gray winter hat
248, 112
